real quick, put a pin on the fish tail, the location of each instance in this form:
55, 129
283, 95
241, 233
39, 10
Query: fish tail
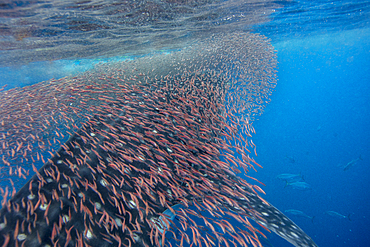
277, 222
313, 217
286, 184
348, 217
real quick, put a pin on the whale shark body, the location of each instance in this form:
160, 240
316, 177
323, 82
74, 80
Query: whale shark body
149, 151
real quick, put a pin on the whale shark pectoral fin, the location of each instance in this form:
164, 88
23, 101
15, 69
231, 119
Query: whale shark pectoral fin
271, 218
280, 224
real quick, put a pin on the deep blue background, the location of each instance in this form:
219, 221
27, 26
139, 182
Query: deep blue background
320, 115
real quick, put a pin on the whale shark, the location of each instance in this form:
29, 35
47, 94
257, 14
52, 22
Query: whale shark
154, 157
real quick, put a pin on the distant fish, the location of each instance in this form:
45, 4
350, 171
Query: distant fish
299, 185
299, 214
290, 158
338, 215
291, 178
350, 164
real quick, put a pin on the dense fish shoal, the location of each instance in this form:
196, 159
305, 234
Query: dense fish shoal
128, 143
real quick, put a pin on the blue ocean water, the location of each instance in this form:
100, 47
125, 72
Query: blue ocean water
317, 120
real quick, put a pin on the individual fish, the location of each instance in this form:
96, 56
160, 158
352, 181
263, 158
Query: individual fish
291, 159
299, 185
350, 164
291, 178
338, 215
168, 214
164, 220
299, 214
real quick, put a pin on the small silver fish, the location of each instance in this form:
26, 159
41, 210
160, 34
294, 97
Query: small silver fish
299, 214
338, 215
299, 185
351, 163
291, 178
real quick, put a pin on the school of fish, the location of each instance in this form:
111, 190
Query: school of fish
118, 151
